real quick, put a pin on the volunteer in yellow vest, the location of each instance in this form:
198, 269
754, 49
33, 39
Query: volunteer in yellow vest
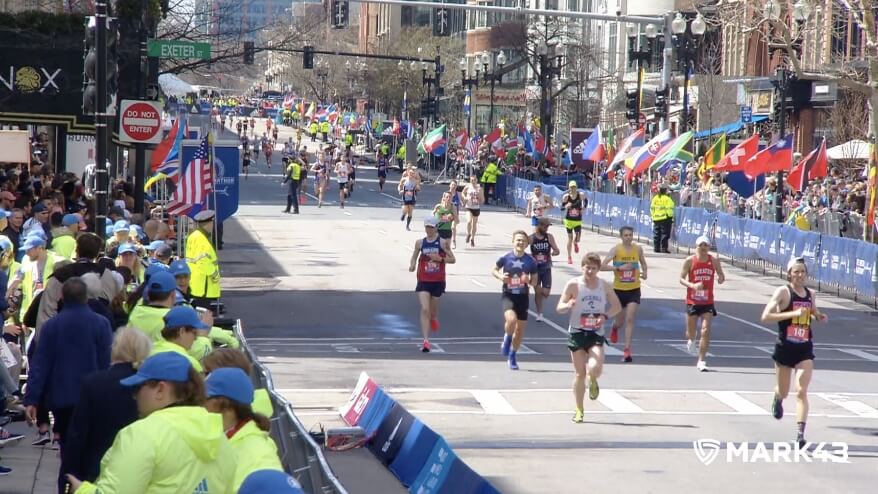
176, 447
348, 141
182, 328
203, 261
230, 394
36, 268
159, 295
293, 175
64, 236
628, 264
313, 129
325, 129
182, 275
489, 180
662, 211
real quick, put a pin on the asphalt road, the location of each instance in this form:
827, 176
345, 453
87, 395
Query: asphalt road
327, 294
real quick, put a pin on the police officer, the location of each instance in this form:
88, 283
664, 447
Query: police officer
293, 175
662, 212
312, 129
203, 262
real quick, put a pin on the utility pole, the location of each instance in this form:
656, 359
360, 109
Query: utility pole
101, 117
139, 148
782, 83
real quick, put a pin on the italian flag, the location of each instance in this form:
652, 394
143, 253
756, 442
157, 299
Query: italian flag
433, 141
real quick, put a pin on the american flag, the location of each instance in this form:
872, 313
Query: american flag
472, 147
195, 182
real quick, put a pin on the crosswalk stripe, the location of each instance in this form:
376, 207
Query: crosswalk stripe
854, 406
858, 353
618, 403
682, 348
738, 403
493, 402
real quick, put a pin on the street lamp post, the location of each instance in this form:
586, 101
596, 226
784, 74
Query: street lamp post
321, 70
550, 66
494, 77
468, 83
687, 52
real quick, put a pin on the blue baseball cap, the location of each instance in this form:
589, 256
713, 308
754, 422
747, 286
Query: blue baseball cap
155, 244
33, 241
183, 316
121, 226
127, 248
269, 481
39, 207
162, 281
231, 383
70, 220
5, 243
164, 366
36, 232
4, 213
180, 268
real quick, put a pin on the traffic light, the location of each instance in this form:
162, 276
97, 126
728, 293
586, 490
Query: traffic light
112, 60
631, 105
661, 103
90, 64
340, 14
308, 57
249, 53
428, 107
441, 22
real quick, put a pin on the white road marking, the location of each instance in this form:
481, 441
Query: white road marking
749, 323
767, 349
608, 350
858, 353
382, 232
738, 403
348, 213
682, 348
493, 403
402, 390
857, 407
397, 199
417, 412
478, 283
618, 403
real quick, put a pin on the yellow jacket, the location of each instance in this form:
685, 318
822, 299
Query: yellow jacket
164, 345
149, 319
203, 262
255, 450
489, 176
661, 207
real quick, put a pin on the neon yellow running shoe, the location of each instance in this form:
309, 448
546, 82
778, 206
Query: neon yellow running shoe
577, 417
593, 389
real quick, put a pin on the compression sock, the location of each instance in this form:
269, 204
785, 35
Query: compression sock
408, 221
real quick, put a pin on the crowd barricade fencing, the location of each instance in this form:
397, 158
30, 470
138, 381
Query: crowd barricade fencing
845, 265
300, 455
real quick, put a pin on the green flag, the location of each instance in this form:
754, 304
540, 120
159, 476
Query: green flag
674, 150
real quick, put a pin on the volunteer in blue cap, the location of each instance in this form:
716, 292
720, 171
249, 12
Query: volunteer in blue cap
230, 394
270, 482
39, 222
182, 328
218, 336
36, 268
64, 236
176, 447
127, 256
159, 289
121, 235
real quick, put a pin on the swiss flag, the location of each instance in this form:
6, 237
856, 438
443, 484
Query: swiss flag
734, 161
774, 158
812, 166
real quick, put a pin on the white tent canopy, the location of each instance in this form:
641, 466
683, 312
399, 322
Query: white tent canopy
851, 150
174, 86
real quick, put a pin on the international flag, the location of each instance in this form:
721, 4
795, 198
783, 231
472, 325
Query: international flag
494, 139
195, 182
594, 150
288, 101
610, 145
738, 156
433, 141
810, 167
640, 160
472, 147
674, 151
467, 102
461, 138
312, 108
872, 189
712, 158
777, 157
166, 157
629, 146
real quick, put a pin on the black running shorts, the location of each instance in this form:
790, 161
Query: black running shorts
792, 354
434, 288
628, 296
584, 340
444, 234
518, 302
474, 212
700, 309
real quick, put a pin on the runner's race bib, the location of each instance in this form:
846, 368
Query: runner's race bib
516, 282
589, 322
798, 334
432, 267
699, 295
541, 258
628, 275
446, 218
574, 212
408, 195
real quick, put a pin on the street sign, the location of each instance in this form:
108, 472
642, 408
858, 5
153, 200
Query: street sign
641, 119
166, 48
140, 121
746, 113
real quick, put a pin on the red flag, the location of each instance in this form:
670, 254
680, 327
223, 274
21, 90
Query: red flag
493, 136
461, 138
164, 148
812, 166
774, 158
734, 161
396, 128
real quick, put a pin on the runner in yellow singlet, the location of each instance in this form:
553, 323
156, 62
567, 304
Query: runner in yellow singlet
628, 264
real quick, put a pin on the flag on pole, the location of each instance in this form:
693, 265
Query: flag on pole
472, 147
594, 150
674, 151
195, 182
810, 167
311, 110
713, 157
433, 141
629, 146
461, 138
777, 157
738, 156
467, 102
166, 157
640, 160
872, 189
610, 145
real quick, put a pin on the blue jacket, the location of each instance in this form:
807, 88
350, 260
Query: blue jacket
72, 344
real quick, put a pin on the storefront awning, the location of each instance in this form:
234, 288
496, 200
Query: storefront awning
728, 128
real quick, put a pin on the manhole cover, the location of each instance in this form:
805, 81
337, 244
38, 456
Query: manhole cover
249, 284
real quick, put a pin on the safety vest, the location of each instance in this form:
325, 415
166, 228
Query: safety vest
661, 207
348, 139
490, 174
324, 127
294, 171
64, 246
203, 262
27, 281
312, 128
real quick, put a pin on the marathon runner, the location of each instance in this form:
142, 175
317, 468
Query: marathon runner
517, 270
445, 216
431, 258
537, 205
473, 197
542, 248
628, 264
382, 173
456, 201
573, 202
698, 274
321, 180
352, 170
792, 307
341, 173
591, 302
245, 163
408, 188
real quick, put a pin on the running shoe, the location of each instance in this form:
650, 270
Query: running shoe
593, 389
540, 317
56, 445
777, 407
425, 347
577, 417
576, 248
505, 346
434, 325
569, 260
614, 334
690, 347
513, 364
472, 242
43, 438
626, 356
402, 218
800, 439
702, 366
7, 437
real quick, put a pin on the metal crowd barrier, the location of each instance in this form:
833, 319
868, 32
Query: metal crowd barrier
301, 456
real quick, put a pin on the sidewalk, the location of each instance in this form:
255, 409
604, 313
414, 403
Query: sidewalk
34, 469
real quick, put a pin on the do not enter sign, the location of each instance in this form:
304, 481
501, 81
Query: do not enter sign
140, 121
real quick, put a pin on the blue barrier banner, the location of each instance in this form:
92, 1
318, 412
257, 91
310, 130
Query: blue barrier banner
376, 410
561, 181
413, 455
725, 236
463, 480
691, 223
387, 441
753, 235
837, 261
644, 219
865, 272
435, 471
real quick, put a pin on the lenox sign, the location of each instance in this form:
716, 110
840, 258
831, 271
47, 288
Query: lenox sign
28, 79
